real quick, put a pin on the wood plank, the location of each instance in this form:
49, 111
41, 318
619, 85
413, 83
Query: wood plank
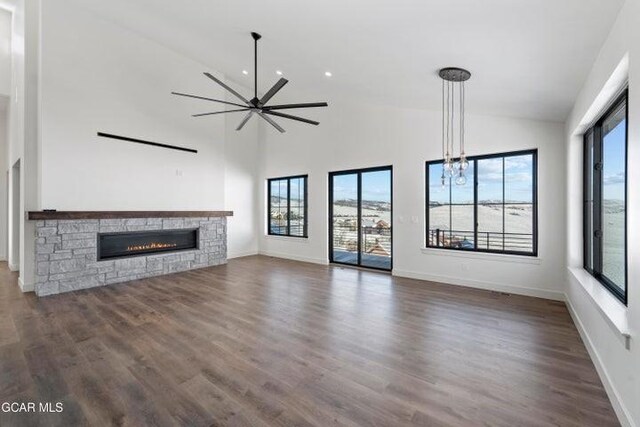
263, 341
66, 215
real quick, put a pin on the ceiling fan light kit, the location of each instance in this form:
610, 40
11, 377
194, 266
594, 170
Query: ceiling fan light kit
257, 105
453, 77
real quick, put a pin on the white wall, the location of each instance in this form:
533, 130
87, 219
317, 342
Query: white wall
241, 165
5, 52
23, 133
598, 315
116, 81
112, 80
16, 107
5, 101
354, 136
16, 144
4, 140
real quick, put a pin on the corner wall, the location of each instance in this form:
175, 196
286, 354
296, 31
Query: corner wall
354, 136
4, 141
597, 314
241, 164
23, 132
5, 51
116, 81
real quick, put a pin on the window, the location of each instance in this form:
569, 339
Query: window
287, 206
605, 201
495, 211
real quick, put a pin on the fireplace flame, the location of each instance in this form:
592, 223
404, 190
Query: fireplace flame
153, 245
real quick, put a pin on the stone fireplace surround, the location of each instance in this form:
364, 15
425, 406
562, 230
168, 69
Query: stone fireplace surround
66, 247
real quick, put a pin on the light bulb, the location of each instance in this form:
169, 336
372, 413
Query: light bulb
448, 167
464, 163
461, 179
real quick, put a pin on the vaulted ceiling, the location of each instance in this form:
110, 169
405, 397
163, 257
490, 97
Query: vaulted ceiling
529, 58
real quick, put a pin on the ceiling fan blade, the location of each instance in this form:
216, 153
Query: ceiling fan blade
245, 120
207, 99
289, 106
288, 116
274, 89
271, 122
219, 112
240, 97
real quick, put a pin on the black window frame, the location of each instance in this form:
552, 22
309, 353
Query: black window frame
592, 240
534, 201
359, 173
305, 227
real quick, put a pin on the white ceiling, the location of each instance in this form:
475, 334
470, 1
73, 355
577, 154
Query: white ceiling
528, 58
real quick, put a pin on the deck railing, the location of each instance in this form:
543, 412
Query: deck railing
295, 229
345, 238
487, 240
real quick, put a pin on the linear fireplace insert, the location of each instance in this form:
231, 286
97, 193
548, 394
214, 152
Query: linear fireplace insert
136, 243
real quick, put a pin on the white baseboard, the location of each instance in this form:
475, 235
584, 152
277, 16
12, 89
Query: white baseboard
26, 287
621, 411
490, 286
241, 254
295, 257
14, 267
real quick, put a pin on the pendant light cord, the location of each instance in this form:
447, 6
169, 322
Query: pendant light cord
448, 115
443, 121
462, 102
453, 116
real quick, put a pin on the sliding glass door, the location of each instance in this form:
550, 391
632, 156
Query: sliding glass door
360, 217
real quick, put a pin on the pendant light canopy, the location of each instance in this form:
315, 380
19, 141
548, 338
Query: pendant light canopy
453, 80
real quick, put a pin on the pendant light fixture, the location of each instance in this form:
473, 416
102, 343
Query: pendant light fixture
453, 87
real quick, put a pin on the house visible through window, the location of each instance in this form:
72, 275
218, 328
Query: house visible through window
495, 211
605, 199
287, 206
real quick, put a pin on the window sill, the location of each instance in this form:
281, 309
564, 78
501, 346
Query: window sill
613, 310
289, 238
521, 259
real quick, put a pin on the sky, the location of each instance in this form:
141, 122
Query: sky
376, 186
279, 188
614, 161
518, 178
518, 170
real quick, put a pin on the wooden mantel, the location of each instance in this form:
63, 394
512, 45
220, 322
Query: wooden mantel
71, 215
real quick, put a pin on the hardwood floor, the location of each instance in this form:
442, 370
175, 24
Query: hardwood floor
263, 341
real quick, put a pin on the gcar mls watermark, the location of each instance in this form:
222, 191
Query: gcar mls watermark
32, 407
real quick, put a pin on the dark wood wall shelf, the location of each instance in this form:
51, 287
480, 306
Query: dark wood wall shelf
61, 215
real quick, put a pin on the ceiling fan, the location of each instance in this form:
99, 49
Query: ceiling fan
257, 105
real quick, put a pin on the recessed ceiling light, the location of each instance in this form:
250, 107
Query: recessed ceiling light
278, 72
328, 73
245, 72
